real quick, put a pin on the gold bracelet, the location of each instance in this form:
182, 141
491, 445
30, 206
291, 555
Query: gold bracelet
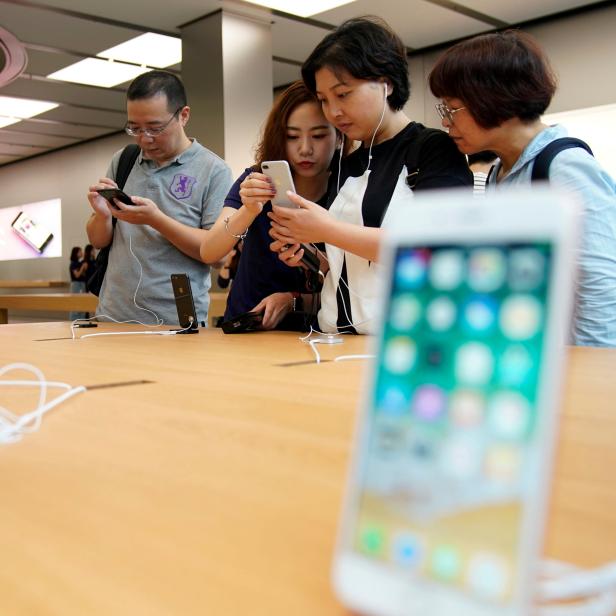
242, 236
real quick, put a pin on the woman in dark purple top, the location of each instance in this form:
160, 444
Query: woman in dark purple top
296, 131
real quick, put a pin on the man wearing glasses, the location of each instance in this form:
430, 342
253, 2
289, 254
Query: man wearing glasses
177, 187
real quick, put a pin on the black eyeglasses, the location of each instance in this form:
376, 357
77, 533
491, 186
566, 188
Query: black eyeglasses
446, 112
150, 132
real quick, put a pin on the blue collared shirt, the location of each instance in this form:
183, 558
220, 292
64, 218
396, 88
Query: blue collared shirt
577, 171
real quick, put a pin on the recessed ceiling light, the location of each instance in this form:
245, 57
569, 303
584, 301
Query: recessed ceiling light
149, 49
8, 121
94, 72
13, 110
301, 7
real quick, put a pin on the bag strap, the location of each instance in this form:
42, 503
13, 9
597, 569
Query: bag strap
413, 152
125, 166
541, 164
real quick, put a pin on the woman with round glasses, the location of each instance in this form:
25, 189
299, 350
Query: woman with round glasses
494, 89
359, 73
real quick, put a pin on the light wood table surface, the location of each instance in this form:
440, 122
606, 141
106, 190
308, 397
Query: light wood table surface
216, 488
47, 302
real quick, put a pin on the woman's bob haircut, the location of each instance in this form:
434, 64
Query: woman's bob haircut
498, 76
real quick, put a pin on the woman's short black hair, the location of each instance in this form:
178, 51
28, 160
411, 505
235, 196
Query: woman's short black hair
153, 83
75, 253
498, 76
366, 48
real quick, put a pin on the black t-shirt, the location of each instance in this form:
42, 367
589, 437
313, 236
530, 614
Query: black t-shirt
74, 267
438, 164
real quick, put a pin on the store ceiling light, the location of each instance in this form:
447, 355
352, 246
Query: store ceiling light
148, 49
13, 110
95, 72
301, 7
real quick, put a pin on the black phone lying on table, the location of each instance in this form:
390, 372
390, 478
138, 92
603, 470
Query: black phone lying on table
245, 322
114, 193
187, 315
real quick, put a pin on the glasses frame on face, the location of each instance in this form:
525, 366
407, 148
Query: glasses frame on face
446, 112
151, 132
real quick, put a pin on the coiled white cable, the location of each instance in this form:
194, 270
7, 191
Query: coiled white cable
12, 426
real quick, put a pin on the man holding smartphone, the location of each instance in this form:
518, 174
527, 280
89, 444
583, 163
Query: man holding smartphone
177, 188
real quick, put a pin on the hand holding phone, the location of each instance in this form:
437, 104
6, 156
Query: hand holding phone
114, 193
280, 174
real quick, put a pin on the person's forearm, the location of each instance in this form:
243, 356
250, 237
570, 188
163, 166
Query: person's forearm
360, 240
186, 239
221, 238
99, 230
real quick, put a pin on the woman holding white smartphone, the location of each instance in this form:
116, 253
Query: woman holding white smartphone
359, 73
296, 131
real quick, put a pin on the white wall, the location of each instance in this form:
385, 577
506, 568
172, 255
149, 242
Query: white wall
67, 175
581, 48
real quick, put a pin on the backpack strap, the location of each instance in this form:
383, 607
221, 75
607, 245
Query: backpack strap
413, 152
125, 166
541, 164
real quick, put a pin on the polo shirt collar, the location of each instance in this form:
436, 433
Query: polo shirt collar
181, 158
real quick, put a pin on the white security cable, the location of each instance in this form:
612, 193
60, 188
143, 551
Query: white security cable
586, 592
12, 426
158, 323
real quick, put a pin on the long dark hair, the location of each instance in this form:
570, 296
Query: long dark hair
87, 253
273, 143
75, 253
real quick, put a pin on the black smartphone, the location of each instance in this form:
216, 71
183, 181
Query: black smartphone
245, 322
310, 259
114, 193
182, 291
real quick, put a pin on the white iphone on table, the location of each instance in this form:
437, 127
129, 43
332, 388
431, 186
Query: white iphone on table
446, 497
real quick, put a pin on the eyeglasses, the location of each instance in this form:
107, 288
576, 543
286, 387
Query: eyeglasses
150, 132
447, 112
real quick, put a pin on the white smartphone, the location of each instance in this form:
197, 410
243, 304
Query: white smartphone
280, 174
33, 233
446, 497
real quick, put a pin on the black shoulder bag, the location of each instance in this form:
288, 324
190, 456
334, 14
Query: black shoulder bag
125, 165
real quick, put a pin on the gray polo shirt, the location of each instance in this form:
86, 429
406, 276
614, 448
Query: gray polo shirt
191, 189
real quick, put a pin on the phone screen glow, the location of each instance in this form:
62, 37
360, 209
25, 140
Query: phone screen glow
34, 234
451, 443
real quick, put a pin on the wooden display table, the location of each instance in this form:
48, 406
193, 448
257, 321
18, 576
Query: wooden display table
216, 488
